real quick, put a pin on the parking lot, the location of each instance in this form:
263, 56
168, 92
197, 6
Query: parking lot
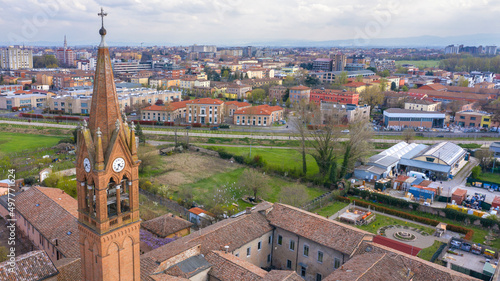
468, 260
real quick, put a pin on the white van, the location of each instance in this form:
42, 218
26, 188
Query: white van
417, 175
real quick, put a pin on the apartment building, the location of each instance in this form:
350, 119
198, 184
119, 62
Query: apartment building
171, 112
471, 118
299, 93
277, 92
16, 58
333, 96
422, 105
24, 101
205, 111
239, 91
343, 113
262, 115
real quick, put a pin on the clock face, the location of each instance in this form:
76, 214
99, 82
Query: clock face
86, 165
118, 164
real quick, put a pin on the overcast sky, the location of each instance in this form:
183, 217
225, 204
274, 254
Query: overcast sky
234, 22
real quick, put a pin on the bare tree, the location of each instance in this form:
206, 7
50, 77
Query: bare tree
408, 135
302, 118
325, 142
295, 195
253, 181
485, 157
372, 96
357, 147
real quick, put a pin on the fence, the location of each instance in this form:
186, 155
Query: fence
171, 205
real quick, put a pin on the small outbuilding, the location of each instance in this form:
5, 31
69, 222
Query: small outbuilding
459, 196
496, 202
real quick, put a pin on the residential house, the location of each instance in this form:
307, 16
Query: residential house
422, 105
262, 115
299, 93
205, 111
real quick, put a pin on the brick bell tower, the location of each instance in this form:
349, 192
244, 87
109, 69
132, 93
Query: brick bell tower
108, 188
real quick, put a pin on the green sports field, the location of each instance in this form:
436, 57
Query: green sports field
17, 142
419, 63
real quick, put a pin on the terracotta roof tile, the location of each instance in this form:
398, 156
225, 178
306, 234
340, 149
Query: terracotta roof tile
229, 267
258, 110
355, 84
238, 103
314, 227
34, 265
62, 199
300, 88
165, 225
233, 232
155, 107
206, 101
50, 219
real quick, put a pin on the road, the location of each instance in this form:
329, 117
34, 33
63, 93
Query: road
222, 135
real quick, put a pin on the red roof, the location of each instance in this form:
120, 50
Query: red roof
460, 192
206, 101
496, 201
176, 105
299, 88
197, 211
238, 103
156, 107
258, 110
355, 84
405, 248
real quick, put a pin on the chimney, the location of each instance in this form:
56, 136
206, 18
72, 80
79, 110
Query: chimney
226, 249
248, 210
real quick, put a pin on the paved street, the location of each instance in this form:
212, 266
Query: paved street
222, 135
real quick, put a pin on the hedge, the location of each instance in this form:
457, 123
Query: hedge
460, 229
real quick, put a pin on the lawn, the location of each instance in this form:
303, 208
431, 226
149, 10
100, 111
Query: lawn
17, 142
419, 63
428, 252
211, 188
382, 221
330, 209
151, 209
286, 158
492, 177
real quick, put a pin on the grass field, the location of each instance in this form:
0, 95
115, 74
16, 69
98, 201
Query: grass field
16, 142
286, 158
428, 252
419, 63
492, 177
382, 221
331, 208
205, 189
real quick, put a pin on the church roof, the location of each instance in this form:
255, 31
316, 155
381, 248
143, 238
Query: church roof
105, 109
51, 219
34, 265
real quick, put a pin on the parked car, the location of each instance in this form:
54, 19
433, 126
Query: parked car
455, 244
188, 127
345, 131
214, 128
133, 114
465, 247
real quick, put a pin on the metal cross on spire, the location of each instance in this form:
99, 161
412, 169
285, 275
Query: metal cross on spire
102, 14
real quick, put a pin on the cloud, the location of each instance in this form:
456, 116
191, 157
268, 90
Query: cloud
228, 21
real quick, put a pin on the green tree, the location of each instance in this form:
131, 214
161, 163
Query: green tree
341, 79
384, 73
383, 84
3, 253
393, 86
45, 61
462, 82
371, 68
303, 117
325, 143
287, 103
359, 78
372, 96
273, 102
404, 88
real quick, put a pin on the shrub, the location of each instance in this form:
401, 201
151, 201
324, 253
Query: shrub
30, 180
196, 125
73, 118
66, 140
224, 126
476, 171
145, 122
225, 155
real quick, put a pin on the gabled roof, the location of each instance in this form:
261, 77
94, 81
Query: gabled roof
300, 88
232, 232
34, 265
317, 228
229, 267
165, 225
155, 107
238, 103
447, 152
355, 84
205, 101
258, 110
377, 262
51, 219
197, 211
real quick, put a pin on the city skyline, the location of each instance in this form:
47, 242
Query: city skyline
242, 22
